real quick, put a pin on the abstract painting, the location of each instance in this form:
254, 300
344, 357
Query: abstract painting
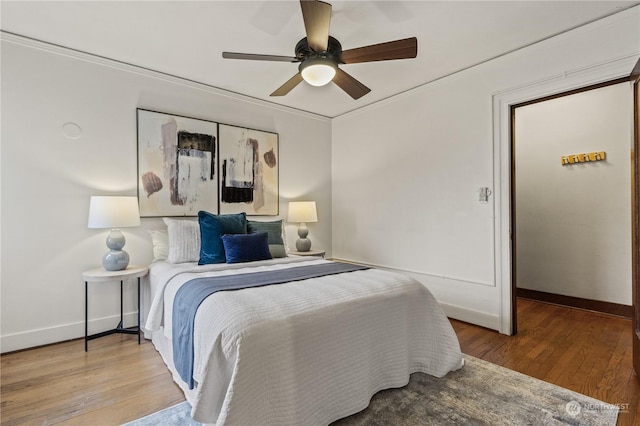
177, 169
248, 171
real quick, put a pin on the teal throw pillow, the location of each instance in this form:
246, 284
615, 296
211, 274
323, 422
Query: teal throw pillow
212, 227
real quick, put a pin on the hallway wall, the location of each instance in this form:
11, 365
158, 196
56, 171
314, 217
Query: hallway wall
573, 222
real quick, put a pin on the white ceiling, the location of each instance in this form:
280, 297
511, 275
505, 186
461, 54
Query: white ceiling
186, 39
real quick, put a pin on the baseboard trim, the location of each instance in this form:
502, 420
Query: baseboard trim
619, 310
62, 333
457, 312
471, 316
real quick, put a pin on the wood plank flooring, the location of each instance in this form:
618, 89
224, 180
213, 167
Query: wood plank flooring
118, 381
584, 351
115, 382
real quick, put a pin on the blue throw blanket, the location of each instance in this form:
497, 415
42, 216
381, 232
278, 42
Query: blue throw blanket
192, 294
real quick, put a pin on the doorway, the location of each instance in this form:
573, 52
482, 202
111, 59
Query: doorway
571, 204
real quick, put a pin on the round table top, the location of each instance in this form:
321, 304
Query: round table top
311, 252
100, 274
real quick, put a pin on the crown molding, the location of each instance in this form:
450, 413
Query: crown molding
148, 72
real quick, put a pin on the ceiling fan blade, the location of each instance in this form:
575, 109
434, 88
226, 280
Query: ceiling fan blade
317, 18
257, 57
286, 87
398, 49
353, 87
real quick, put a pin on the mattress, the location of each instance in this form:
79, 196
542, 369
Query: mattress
306, 352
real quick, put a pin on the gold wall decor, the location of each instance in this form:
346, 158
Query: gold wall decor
583, 158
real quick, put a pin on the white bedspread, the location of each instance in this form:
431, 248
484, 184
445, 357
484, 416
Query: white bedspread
302, 353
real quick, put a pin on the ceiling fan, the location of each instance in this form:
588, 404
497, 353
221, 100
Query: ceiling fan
320, 54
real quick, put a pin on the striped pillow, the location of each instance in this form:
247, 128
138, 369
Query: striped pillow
184, 240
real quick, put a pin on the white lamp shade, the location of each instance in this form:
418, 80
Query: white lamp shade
113, 212
302, 212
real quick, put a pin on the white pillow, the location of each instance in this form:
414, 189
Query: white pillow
160, 240
184, 240
284, 238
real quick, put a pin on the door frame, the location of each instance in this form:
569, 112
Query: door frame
635, 219
514, 233
502, 140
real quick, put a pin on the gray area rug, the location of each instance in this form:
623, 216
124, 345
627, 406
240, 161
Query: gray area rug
480, 393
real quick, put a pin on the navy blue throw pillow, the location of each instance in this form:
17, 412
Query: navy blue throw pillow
212, 227
246, 247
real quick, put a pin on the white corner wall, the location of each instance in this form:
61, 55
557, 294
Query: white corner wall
406, 171
573, 221
47, 179
396, 182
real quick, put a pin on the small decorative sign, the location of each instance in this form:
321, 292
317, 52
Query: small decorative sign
583, 158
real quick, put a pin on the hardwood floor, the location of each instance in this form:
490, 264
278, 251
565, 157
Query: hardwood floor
118, 381
584, 351
115, 382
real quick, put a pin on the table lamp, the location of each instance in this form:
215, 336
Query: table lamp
114, 212
303, 212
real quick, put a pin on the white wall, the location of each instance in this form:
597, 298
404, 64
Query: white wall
47, 179
406, 171
573, 221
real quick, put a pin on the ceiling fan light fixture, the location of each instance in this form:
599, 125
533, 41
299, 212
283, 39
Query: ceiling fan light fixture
318, 71
319, 54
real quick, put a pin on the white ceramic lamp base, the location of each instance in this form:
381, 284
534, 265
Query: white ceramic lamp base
115, 259
303, 243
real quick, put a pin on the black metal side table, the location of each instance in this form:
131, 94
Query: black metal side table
98, 275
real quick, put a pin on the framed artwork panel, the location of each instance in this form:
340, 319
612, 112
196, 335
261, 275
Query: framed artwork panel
177, 169
248, 171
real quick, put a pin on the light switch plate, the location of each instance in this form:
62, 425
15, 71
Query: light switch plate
484, 195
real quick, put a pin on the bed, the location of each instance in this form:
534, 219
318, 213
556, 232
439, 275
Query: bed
304, 352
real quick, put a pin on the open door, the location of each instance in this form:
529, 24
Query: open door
635, 218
